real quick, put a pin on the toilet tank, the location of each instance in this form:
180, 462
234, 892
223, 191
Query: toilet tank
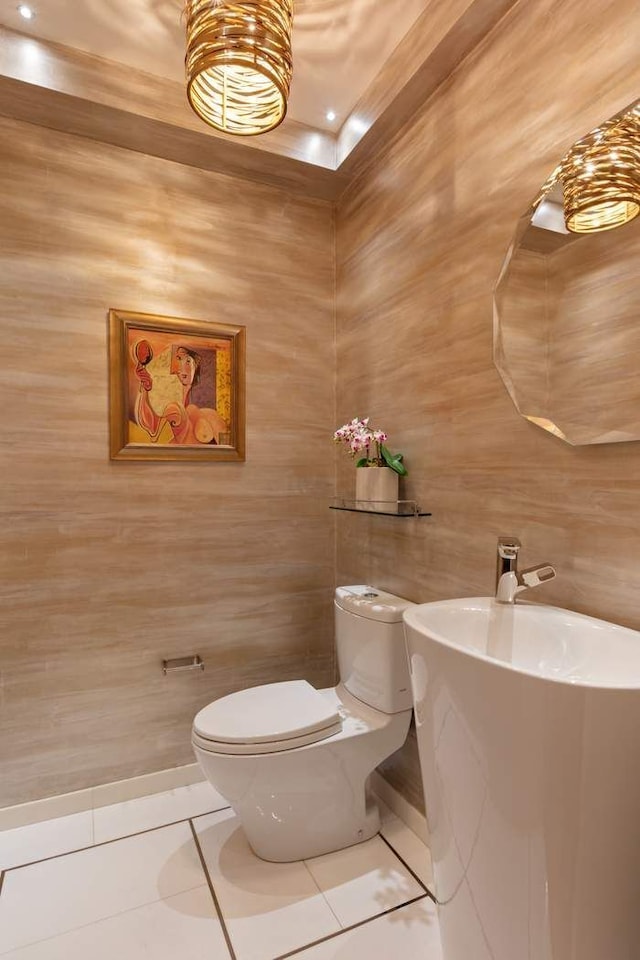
372, 658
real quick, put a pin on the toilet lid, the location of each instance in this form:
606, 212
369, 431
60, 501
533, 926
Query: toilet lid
275, 713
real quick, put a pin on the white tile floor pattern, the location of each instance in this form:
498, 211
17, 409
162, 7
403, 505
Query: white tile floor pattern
172, 875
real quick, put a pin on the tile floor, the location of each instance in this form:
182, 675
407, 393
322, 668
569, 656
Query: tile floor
172, 875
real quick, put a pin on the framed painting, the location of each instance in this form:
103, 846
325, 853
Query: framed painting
177, 388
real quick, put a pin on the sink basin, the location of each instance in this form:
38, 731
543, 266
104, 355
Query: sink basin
528, 721
542, 641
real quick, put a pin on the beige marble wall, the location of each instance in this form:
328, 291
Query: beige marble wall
421, 239
107, 567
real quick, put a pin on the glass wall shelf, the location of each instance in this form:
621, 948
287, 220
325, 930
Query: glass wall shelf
385, 508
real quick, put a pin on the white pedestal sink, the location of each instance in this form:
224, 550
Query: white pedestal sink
529, 735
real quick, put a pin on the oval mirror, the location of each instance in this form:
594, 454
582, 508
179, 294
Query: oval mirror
567, 302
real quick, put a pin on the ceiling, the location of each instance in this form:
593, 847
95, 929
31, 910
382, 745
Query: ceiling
339, 46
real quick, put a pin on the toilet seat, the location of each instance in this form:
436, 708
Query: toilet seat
266, 719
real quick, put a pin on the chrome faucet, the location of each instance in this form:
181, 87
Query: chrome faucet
509, 580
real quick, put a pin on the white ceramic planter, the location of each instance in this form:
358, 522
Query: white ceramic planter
377, 489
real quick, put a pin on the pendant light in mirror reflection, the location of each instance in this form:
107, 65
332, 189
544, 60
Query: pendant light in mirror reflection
601, 177
239, 63
567, 300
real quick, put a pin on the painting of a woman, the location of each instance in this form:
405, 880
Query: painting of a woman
177, 388
189, 423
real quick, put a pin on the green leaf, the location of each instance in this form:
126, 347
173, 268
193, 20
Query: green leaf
362, 462
394, 461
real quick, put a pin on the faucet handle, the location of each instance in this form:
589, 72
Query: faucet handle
534, 576
508, 547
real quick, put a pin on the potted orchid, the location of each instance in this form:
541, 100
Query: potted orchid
380, 470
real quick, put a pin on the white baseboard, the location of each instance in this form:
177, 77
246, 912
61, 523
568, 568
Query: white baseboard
415, 820
101, 796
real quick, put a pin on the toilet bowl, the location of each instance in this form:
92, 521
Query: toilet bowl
293, 761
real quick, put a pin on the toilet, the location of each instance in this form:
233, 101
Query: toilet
294, 762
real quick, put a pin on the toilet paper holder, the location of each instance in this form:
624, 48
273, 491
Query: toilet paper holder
179, 664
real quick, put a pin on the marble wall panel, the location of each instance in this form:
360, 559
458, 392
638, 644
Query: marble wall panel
108, 567
421, 237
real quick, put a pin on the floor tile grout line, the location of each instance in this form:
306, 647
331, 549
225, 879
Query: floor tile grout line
353, 926
93, 923
103, 843
337, 933
207, 813
212, 891
190, 820
407, 867
322, 894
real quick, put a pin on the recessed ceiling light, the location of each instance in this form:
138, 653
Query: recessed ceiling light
331, 116
27, 13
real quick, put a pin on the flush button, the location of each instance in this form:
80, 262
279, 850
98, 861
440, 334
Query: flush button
370, 595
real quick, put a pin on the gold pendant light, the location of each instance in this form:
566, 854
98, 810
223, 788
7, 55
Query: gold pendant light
239, 63
601, 177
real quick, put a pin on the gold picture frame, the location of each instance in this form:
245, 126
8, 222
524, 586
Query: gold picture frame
177, 388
